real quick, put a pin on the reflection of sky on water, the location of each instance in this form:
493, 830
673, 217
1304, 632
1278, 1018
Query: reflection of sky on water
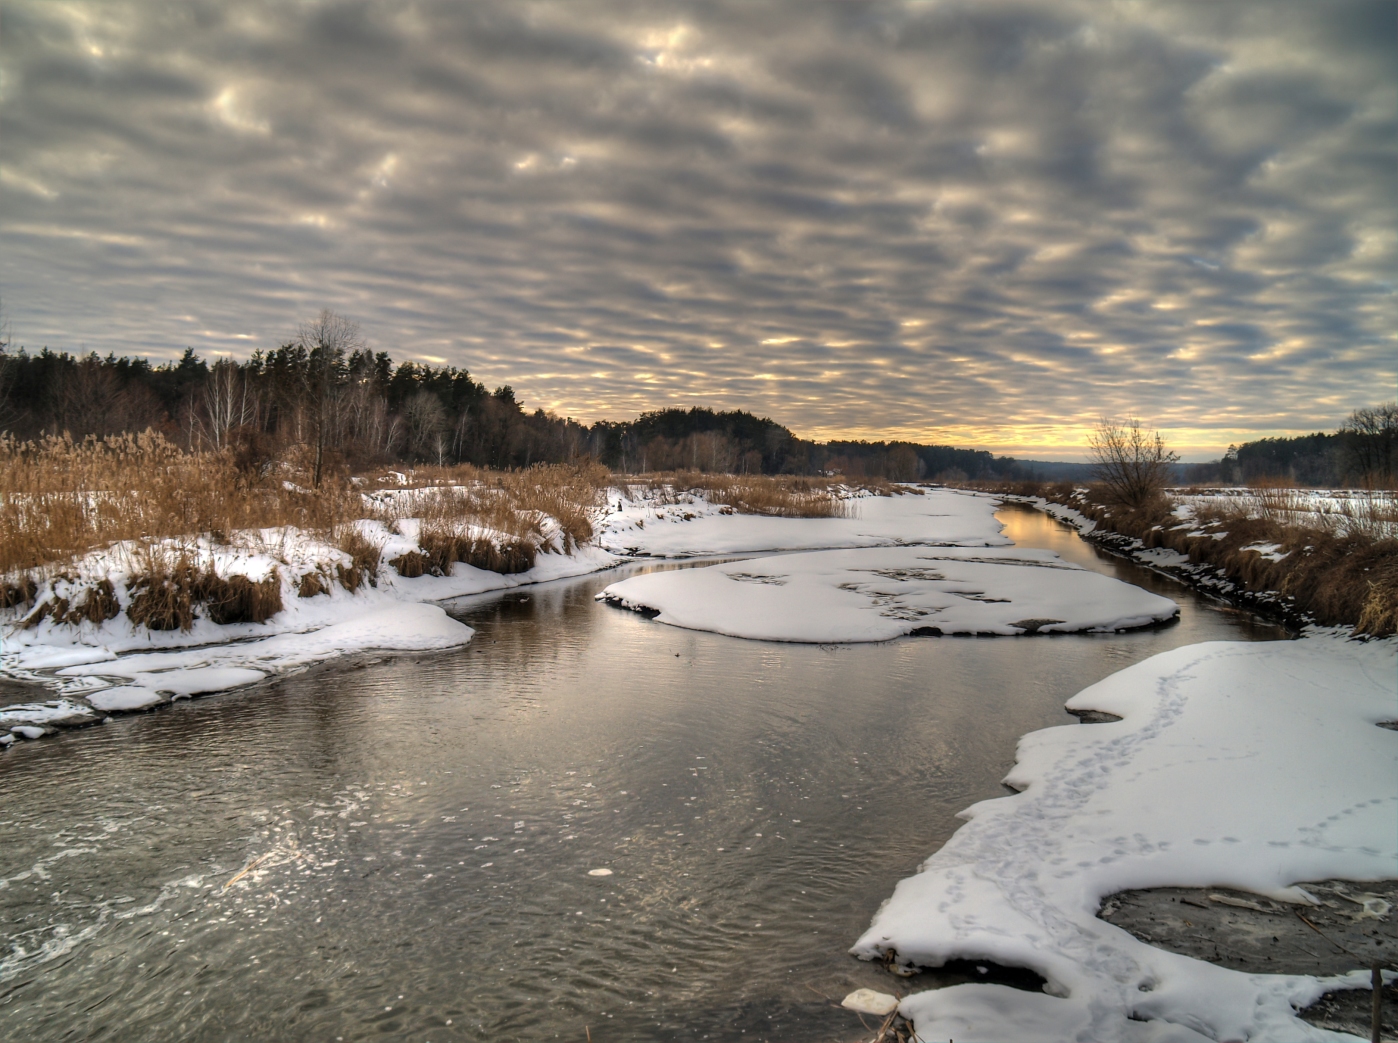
427, 827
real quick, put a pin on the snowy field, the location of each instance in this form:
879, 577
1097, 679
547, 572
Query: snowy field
693, 527
1340, 511
1251, 766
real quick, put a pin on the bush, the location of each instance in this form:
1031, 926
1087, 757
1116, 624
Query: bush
1132, 465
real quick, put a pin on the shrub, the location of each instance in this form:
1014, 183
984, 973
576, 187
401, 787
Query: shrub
1132, 465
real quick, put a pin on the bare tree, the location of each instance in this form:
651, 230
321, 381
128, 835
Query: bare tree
228, 401
1371, 442
1131, 462
328, 339
426, 420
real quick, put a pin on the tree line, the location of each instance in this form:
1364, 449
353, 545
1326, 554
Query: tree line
1363, 451
347, 407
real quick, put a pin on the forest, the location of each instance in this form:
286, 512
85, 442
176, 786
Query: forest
354, 408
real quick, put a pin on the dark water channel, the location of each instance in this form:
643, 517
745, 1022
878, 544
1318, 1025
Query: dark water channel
427, 827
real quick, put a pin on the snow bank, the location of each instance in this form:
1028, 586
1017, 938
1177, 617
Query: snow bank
116, 665
1251, 766
155, 677
690, 526
876, 594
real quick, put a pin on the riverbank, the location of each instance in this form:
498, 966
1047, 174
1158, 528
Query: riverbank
1287, 730
1304, 558
145, 621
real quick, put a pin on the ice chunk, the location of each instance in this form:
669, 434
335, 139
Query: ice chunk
867, 1001
125, 697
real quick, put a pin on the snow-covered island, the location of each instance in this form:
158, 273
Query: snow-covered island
1253, 766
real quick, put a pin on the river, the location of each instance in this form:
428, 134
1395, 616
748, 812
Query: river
427, 827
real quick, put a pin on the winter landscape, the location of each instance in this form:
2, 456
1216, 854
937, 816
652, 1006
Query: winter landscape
701, 522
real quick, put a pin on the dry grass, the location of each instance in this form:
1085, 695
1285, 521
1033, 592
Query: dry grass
1337, 562
364, 554
60, 498
497, 521
167, 587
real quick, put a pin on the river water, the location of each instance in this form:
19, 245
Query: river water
422, 831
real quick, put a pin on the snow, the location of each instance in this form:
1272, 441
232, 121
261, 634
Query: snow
120, 666
693, 527
876, 594
1283, 731
152, 677
126, 698
1341, 511
43, 713
1161, 556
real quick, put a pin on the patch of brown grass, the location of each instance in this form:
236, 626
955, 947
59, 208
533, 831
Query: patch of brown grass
365, 556
1338, 565
168, 590
60, 498
495, 520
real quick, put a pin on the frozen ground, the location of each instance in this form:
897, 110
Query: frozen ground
1341, 511
1251, 766
875, 594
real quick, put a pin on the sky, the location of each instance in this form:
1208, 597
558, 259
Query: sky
982, 224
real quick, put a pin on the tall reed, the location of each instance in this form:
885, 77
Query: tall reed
60, 498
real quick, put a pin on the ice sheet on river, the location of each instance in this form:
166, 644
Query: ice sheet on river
1251, 766
875, 594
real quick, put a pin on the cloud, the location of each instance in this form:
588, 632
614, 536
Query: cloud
982, 223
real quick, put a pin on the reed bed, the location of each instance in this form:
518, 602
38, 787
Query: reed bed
494, 520
60, 498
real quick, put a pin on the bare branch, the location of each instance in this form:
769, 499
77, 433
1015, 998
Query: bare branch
1132, 463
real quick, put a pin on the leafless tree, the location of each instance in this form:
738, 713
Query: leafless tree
8, 413
89, 399
228, 401
1371, 441
426, 420
1132, 463
328, 340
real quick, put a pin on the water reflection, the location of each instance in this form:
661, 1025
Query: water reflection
426, 828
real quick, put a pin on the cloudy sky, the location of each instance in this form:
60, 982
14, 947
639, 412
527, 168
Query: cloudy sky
977, 223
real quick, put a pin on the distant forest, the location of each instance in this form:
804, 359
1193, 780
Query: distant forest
355, 409
358, 409
1363, 451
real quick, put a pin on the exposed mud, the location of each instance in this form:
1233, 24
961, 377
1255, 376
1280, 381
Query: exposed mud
1354, 926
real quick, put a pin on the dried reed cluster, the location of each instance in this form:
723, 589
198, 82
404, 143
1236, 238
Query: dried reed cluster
60, 498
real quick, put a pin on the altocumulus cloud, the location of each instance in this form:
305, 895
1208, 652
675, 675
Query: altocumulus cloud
985, 223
